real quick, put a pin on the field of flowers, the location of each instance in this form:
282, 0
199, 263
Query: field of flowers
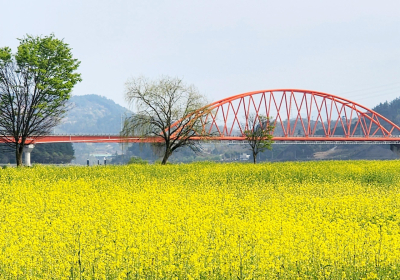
313, 220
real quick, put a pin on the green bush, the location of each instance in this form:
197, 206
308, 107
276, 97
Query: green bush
137, 160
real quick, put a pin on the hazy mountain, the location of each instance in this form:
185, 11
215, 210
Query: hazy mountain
92, 114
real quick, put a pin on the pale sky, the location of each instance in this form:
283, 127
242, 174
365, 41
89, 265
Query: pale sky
347, 48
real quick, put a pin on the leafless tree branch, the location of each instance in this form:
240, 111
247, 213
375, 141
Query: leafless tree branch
166, 109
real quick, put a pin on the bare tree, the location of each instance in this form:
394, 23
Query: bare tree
35, 85
167, 110
258, 134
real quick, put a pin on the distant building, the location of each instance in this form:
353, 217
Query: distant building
244, 157
101, 155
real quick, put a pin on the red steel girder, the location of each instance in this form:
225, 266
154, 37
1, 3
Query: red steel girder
290, 110
293, 109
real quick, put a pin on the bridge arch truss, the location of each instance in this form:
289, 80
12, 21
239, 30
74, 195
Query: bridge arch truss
298, 115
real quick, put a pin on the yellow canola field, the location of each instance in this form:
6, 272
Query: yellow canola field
313, 220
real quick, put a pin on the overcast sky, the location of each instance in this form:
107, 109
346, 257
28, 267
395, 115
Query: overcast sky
347, 48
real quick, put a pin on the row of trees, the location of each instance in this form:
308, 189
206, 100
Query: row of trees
36, 84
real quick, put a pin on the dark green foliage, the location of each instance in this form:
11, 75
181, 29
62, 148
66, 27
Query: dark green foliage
137, 160
55, 153
390, 110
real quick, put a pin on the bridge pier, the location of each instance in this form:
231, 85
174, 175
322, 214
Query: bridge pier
395, 148
27, 151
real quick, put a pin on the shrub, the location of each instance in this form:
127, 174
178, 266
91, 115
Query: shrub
137, 160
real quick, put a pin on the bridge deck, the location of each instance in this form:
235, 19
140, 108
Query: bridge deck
74, 138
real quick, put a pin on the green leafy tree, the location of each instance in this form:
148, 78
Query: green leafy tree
258, 134
35, 85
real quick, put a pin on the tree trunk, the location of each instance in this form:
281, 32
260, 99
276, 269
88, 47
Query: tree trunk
18, 154
254, 157
166, 156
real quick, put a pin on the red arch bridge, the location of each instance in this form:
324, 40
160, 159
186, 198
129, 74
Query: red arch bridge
299, 117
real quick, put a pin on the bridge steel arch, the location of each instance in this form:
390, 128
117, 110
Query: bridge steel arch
298, 116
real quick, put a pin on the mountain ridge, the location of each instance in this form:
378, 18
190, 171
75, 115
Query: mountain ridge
92, 114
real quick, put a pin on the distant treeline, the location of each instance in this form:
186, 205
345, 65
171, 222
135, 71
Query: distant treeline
42, 153
390, 110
